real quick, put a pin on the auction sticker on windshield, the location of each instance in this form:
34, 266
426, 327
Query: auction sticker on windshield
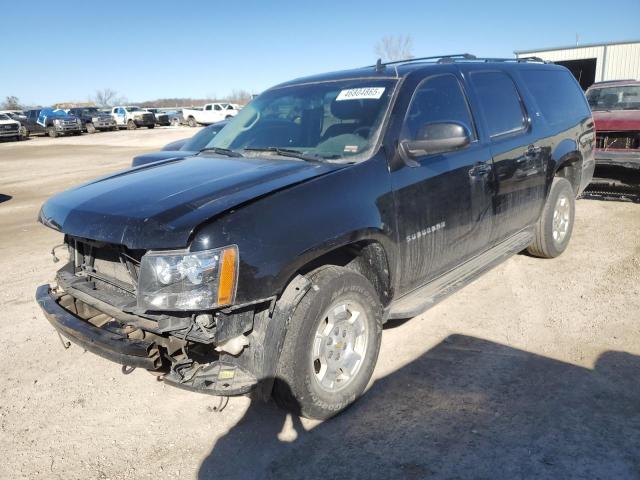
360, 93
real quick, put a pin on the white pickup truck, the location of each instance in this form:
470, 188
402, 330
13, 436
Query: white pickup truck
208, 114
133, 117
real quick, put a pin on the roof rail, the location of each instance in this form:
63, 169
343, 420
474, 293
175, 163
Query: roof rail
458, 57
604, 82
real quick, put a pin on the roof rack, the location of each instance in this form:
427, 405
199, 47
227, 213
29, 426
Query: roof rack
458, 57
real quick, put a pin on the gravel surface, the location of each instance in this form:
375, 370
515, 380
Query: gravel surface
530, 372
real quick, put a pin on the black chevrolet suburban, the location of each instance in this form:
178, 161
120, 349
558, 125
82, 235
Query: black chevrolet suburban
269, 261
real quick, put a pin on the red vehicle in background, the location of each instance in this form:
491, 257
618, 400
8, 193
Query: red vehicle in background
616, 111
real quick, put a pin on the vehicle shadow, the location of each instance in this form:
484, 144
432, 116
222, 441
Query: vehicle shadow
5, 198
468, 408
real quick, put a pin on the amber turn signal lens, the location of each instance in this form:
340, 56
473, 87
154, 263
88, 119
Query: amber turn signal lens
228, 269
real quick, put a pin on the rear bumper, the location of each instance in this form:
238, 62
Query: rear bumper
619, 158
109, 345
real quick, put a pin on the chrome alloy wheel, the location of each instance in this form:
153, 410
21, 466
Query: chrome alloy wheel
339, 345
561, 218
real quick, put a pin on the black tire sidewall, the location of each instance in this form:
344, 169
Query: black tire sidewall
329, 289
559, 186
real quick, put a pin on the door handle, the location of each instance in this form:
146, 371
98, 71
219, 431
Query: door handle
480, 170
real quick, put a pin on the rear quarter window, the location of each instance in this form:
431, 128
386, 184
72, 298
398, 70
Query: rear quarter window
558, 96
500, 102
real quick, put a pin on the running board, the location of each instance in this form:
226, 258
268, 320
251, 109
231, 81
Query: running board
425, 297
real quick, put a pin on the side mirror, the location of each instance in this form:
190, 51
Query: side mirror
437, 138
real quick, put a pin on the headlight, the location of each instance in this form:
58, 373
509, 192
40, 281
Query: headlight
57, 121
188, 281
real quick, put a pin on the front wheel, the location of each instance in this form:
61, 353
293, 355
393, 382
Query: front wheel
151, 126
192, 122
51, 131
554, 227
175, 122
131, 125
91, 128
331, 345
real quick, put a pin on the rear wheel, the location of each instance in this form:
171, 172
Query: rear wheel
331, 345
192, 122
151, 126
555, 225
131, 125
51, 131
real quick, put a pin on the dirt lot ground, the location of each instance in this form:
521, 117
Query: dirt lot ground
530, 372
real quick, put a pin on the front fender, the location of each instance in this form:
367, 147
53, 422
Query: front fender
280, 233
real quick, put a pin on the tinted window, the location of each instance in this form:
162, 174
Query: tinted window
437, 99
500, 102
557, 94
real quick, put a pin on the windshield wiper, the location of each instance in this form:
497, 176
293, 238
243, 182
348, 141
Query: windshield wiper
287, 152
222, 151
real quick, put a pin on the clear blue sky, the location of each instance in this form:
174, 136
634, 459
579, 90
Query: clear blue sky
151, 49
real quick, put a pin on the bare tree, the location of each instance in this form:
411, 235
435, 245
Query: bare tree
107, 98
11, 103
239, 96
391, 48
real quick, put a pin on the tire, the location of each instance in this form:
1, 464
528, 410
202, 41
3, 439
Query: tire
192, 122
228, 117
90, 127
51, 131
115, 129
26, 133
310, 379
131, 125
175, 122
151, 126
555, 225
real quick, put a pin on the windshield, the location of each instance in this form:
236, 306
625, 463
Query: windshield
135, 109
202, 138
90, 111
328, 120
4, 117
625, 97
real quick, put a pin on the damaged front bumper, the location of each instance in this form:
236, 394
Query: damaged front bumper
212, 373
110, 345
618, 158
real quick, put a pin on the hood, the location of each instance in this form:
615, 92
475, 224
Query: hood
157, 156
9, 122
160, 205
617, 120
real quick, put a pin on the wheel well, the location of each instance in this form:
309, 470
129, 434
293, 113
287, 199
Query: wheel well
367, 258
570, 169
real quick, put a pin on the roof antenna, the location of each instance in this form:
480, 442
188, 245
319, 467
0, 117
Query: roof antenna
379, 66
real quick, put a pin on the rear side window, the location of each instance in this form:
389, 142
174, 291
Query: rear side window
558, 96
437, 99
500, 102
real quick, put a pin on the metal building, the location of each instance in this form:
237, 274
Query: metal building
596, 62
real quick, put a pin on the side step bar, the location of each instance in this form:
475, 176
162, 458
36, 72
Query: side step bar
425, 297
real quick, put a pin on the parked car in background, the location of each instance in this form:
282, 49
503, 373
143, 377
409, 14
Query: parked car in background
132, 117
93, 119
616, 111
181, 148
162, 118
208, 114
270, 261
9, 128
47, 121
20, 117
